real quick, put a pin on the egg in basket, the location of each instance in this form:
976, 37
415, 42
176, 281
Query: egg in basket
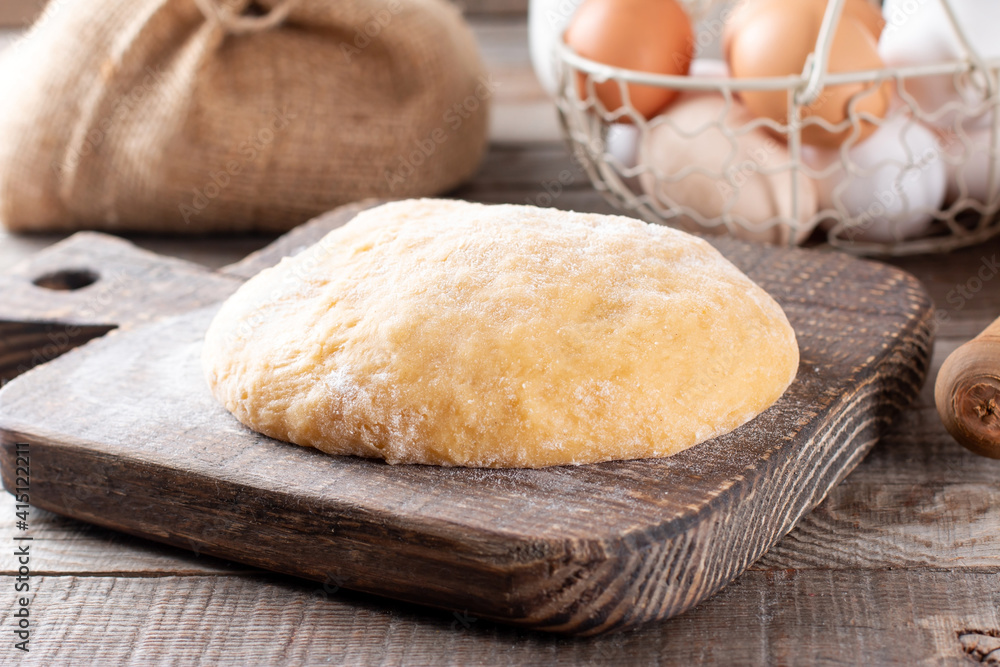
785, 121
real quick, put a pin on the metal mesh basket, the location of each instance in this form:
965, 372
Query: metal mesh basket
643, 189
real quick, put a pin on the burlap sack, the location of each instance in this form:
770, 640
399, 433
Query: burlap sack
195, 116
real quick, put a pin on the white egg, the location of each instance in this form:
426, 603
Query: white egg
968, 166
896, 182
622, 144
919, 32
704, 172
709, 68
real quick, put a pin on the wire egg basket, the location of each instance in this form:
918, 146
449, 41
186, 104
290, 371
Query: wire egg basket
670, 195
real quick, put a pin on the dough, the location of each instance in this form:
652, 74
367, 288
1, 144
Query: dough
450, 333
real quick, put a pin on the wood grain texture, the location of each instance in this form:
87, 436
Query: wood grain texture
87, 285
62, 545
635, 541
901, 617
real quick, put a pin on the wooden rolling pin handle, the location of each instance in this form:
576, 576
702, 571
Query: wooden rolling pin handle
967, 393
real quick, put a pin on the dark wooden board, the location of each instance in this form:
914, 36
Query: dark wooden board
55, 302
124, 433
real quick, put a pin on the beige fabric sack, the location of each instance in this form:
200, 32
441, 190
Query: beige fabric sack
221, 115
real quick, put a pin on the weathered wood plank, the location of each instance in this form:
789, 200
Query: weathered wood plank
64, 545
863, 525
212, 252
87, 285
903, 617
965, 286
93, 279
918, 449
918, 500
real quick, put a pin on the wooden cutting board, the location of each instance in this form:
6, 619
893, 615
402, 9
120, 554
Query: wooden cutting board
124, 433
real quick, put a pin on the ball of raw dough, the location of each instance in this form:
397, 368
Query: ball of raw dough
450, 333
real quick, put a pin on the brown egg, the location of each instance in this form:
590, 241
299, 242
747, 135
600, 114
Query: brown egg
644, 35
774, 37
859, 10
868, 14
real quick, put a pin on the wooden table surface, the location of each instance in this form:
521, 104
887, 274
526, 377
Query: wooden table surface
900, 564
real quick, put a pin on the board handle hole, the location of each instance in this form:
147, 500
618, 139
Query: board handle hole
66, 280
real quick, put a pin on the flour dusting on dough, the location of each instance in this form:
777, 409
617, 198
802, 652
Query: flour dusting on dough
450, 333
